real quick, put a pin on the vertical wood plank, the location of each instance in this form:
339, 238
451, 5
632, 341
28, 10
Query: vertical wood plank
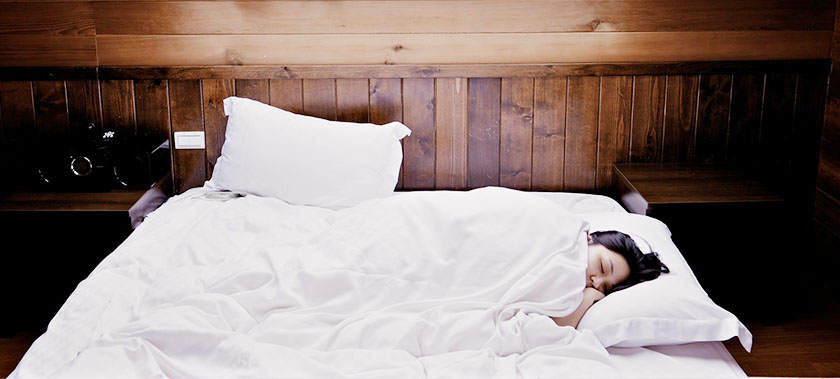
286, 94
256, 89
646, 128
517, 132
152, 102
185, 107
805, 144
613, 126
118, 107
713, 117
18, 124
549, 134
680, 112
83, 105
352, 100
419, 147
319, 98
484, 122
582, 133
745, 117
214, 92
50, 106
386, 106
776, 128
16, 109
828, 170
451, 119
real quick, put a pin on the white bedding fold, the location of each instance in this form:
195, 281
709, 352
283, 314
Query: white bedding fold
443, 284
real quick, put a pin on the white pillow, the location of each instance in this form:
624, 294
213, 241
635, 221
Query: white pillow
306, 160
672, 309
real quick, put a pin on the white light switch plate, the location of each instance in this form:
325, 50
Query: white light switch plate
189, 140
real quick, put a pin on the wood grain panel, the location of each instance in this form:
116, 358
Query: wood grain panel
83, 105
805, 141
16, 109
352, 100
256, 89
582, 133
713, 117
451, 133
776, 127
419, 147
680, 115
48, 50
50, 104
370, 71
385, 101
647, 123
28, 17
330, 17
828, 171
386, 106
826, 232
516, 133
18, 127
286, 94
613, 126
151, 99
549, 134
214, 92
171, 50
185, 107
319, 98
484, 124
745, 117
826, 205
118, 114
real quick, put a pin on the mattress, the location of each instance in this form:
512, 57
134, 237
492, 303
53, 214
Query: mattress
69, 346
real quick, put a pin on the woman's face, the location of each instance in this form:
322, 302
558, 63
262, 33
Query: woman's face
606, 268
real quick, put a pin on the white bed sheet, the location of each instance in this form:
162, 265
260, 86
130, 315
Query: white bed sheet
702, 359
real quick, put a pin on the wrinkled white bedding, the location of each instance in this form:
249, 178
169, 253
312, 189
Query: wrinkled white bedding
426, 284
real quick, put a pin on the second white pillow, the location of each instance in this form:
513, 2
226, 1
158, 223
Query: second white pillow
306, 160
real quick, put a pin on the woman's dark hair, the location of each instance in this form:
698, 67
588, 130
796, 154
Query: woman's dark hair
643, 267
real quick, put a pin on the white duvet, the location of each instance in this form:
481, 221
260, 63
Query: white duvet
425, 284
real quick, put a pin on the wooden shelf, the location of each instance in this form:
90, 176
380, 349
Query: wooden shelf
137, 203
643, 186
116, 200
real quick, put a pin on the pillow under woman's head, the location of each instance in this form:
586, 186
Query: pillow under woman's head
306, 160
670, 309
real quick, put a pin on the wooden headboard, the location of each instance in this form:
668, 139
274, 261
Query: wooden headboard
532, 127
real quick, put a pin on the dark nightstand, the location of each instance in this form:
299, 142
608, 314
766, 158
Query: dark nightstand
728, 225
52, 240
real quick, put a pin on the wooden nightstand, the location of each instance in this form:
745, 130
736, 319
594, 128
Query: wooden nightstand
728, 225
51, 241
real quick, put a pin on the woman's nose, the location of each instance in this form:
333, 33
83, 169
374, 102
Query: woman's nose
595, 281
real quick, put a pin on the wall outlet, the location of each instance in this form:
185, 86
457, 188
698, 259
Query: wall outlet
189, 140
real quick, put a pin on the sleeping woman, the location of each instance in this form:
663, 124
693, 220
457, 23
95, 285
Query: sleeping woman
615, 263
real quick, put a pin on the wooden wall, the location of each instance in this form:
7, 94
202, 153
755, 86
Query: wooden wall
827, 204
534, 129
176, 33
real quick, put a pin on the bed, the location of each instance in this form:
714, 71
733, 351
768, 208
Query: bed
327, 275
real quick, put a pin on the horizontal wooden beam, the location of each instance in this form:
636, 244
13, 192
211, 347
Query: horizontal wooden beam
33, 73
72, 18
47, 50
457, 16
501, 48
818, 66
452, 71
